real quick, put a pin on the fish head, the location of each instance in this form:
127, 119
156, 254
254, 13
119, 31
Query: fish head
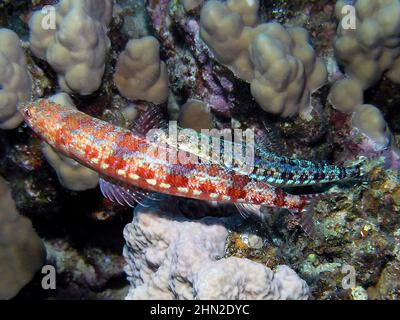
45, 117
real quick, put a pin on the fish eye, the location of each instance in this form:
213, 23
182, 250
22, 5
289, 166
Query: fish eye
27, 113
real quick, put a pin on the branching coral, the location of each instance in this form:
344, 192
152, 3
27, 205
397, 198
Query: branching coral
15, 81
373, 46
71, 174
279, 62
171, 257
140, 74
77, 48
21, 250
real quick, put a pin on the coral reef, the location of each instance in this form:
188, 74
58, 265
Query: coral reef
78, 61
171, 257
140, 74
211, 64
21, 250
15, 81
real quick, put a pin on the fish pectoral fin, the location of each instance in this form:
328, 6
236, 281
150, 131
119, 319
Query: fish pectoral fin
248, 209
126, 195
152, 118
305, 217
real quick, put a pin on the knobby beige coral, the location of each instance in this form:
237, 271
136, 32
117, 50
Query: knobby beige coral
277, 61
15, 81
373, 46
140, 74
21, 250
78, 45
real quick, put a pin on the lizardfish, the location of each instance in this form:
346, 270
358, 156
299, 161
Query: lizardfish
131, 170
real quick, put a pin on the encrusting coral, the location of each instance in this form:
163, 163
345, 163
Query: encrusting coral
15, 81
279, 62
140, 74
172, 257
21, 250
71, 174
78, 45
372, 46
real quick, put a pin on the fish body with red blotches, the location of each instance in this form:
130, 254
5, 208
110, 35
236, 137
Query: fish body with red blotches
127, 161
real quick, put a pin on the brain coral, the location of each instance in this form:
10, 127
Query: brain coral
15, 81
171, 257
77, 48
373, 47
278, 62
21, 250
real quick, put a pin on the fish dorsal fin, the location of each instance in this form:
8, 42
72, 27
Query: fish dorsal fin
126, 195
270, 138
152, 118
